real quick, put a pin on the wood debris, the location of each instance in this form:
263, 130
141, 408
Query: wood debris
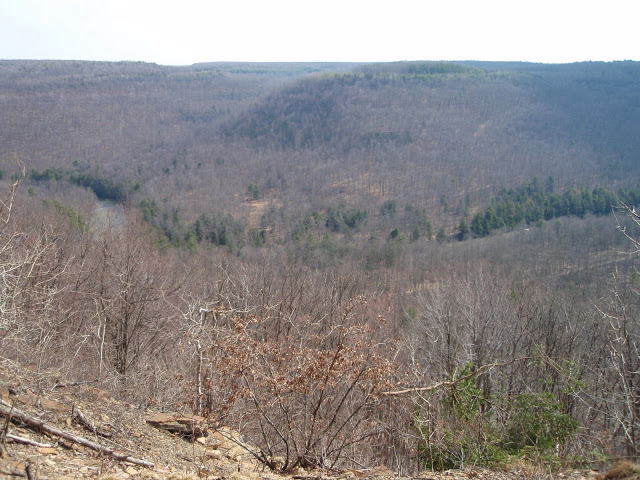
14, 414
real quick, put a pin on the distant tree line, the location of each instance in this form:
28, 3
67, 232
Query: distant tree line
418, 68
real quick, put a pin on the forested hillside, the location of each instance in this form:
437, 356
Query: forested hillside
321, 132
429, 264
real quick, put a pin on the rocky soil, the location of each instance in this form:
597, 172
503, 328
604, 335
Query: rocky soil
131, 437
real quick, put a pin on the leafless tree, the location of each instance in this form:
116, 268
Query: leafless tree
131, 289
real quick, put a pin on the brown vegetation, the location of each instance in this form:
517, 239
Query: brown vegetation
328, 330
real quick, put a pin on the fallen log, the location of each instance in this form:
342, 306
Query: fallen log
14, 414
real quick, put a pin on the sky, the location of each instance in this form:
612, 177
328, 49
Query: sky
184, 32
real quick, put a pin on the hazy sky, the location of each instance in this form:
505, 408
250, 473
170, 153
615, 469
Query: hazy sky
188, 31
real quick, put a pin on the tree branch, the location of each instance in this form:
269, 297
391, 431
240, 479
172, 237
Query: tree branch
450, 383
27, 441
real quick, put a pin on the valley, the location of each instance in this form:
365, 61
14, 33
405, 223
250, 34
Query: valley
290, 242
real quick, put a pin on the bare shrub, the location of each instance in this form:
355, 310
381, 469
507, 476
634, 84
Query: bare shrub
299, 373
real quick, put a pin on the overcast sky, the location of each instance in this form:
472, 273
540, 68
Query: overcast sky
189, 31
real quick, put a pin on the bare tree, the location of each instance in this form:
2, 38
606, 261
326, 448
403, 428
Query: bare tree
131, 290
33, 271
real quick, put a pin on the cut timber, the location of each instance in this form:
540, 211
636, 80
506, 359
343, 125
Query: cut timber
14, 414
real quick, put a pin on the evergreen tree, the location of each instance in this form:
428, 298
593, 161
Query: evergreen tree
464, 232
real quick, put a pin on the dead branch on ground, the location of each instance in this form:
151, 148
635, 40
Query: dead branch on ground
17, 415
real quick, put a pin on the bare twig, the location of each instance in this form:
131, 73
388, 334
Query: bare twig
630, 212
5, 432
86, 423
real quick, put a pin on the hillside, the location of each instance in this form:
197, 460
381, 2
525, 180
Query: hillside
249, 143
203, 133
424, 266
153, 451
